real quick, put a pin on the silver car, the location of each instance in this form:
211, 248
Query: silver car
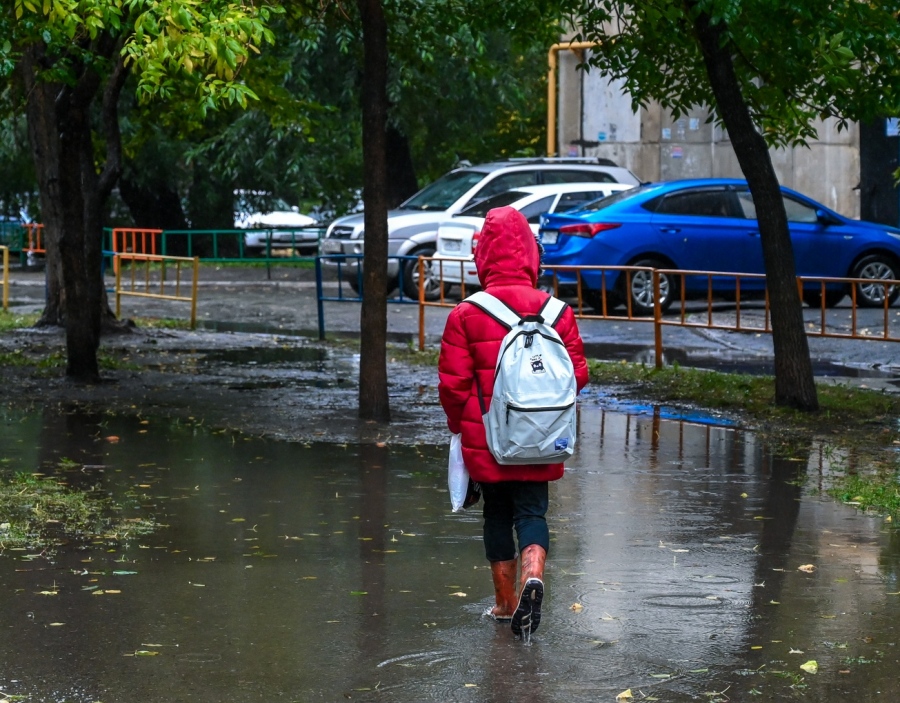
412, 227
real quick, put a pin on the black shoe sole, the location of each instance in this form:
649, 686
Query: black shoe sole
528, 613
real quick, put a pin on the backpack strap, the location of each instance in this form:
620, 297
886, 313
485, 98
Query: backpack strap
552, 310
495, 307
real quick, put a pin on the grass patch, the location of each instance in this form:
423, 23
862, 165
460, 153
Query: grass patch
16, 321
878, 493
55, 360
40, 512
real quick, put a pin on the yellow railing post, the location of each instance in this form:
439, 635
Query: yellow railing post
5, 278
118, 270
144, 288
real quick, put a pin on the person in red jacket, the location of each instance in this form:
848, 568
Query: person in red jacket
507, 258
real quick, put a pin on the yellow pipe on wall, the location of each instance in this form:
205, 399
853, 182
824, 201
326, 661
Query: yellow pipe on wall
551, 86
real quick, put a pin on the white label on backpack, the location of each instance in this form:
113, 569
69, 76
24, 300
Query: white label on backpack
531, 419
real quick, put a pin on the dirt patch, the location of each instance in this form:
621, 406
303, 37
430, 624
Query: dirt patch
283, 387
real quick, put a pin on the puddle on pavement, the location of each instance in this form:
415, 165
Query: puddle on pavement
274, 355
288, 366
318, 572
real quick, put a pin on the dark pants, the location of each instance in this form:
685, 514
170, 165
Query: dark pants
514, 504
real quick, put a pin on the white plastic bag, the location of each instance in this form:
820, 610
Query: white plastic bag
457, 474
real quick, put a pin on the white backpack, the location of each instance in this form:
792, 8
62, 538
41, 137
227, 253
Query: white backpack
532, 415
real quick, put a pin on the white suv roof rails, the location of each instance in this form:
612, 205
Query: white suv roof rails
597, 160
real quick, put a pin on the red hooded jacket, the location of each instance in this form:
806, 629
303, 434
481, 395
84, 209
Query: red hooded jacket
508, 263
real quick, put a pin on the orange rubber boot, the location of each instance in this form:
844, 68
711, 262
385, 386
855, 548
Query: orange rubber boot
527, 616
504, 575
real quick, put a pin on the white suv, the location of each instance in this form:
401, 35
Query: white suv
412, 228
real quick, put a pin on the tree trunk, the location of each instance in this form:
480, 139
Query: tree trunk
373, 392
72, 197
794, 383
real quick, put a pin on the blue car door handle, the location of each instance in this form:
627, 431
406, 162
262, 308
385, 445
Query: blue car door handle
670, 230
753, 234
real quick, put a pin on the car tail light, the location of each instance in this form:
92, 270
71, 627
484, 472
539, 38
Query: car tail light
588, 229
475, 240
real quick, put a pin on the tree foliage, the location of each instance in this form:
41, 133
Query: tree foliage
795, 61
70, 60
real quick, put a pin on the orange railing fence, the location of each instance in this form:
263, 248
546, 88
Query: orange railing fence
737, 302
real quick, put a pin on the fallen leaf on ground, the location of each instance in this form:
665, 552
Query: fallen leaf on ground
808, 568
625, 695
577, 607
810, 667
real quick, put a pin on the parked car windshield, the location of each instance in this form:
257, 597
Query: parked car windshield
605, 202
480, 209
445, 191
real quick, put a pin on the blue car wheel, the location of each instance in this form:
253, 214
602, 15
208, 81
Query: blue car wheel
877, 268
640, 288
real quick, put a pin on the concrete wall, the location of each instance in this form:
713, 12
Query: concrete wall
596, 118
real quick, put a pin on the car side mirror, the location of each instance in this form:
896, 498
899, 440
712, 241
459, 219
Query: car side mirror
826, 218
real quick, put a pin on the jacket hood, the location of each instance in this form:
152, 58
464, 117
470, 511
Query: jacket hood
507, 252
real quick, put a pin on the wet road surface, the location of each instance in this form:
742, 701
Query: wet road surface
313, 572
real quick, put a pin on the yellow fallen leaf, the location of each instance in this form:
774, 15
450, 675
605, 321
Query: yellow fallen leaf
808, 568
576, 607
810, 667
57, 624
459, 593
471, 685
625, 695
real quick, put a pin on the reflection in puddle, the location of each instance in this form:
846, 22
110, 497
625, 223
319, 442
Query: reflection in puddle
319, 572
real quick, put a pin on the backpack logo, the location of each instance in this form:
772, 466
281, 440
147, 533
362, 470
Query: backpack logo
531, 418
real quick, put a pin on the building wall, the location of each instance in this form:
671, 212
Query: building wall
596, 118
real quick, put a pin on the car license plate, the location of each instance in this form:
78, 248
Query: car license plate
331, 246
452, 245
549, 236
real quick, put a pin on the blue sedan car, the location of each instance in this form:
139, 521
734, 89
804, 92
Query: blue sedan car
710, 225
